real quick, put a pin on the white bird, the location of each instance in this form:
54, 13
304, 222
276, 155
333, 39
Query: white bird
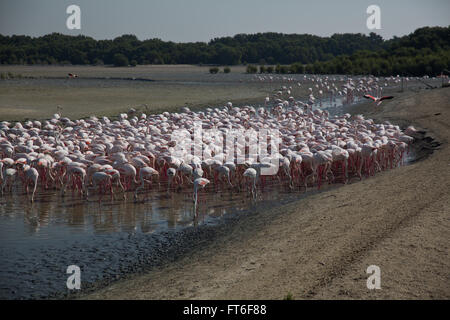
146, 174
199, 183
251, 174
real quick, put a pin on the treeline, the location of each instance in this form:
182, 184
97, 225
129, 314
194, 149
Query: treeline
383, 63
418, 63
425, 51
263, 48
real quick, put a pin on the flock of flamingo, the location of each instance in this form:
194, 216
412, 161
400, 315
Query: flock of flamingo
135, 152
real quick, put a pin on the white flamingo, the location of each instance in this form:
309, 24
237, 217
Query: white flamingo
198, 183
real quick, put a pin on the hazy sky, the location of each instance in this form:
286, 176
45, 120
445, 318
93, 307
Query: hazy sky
202, 20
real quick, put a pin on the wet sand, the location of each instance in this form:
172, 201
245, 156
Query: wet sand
320, 247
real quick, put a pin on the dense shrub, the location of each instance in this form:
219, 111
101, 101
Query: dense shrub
297, 68
213, 70
251, 69
281, 69
226, 70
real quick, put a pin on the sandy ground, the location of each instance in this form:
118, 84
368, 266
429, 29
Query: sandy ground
321, 246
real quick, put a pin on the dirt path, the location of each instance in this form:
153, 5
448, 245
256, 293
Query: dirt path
320, 247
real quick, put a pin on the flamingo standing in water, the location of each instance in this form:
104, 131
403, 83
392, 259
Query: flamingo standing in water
100, 179
251, 174
9, 177
199, 183
224, 172
76, 176
145, 175
31, 175
171, 173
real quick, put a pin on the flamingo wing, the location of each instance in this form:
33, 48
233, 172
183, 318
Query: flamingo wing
368, 96
386, 97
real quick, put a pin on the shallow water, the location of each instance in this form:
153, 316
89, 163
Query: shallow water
52, 218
